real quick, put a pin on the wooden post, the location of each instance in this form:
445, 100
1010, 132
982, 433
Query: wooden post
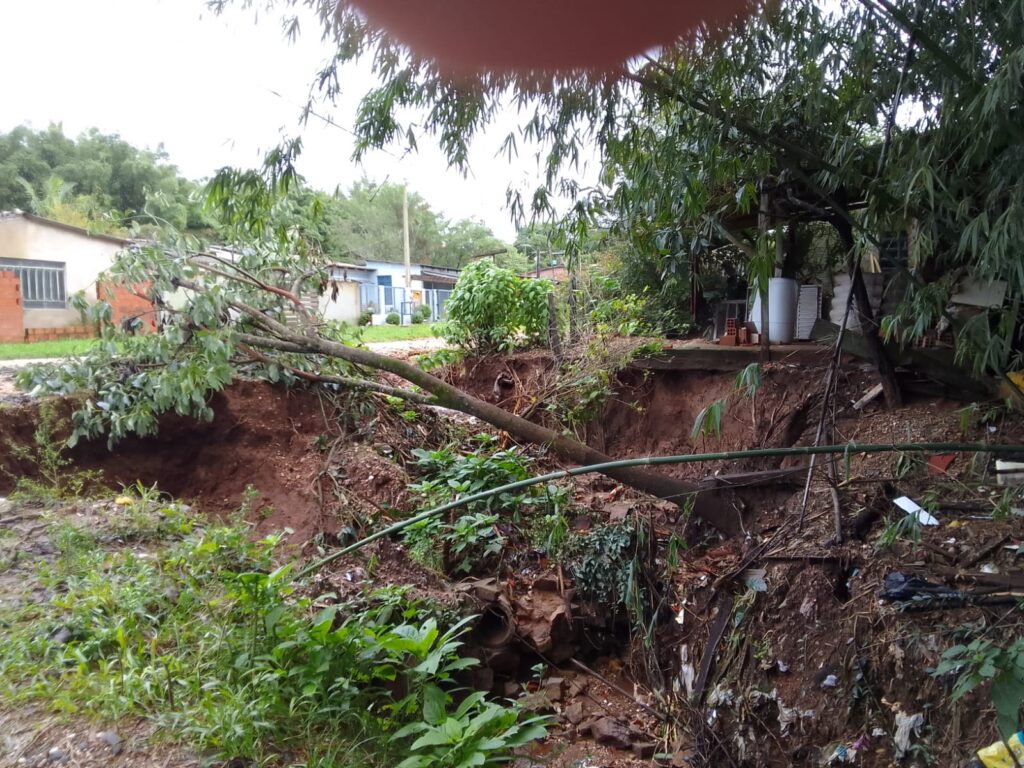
762, 233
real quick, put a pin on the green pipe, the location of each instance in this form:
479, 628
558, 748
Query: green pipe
653, 461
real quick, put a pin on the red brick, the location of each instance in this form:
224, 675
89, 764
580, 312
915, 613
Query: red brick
12, 317
126, 302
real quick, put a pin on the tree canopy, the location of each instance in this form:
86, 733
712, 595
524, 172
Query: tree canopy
103, 183
366, 223
97, 180
795, 96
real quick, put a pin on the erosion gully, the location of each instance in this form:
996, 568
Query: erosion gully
773, 647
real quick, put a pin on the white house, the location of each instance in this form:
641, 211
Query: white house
53, 261
379, 287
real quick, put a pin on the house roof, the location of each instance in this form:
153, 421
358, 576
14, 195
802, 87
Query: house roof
7, 215
348, 265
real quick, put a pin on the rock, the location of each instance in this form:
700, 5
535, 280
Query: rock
42, 547
510, 689
618, 511
578, 687
583, 523
611, 732
586, 727
554, 688
546, 583
56, 755
644, 750
60, 636
487, 590
112, 740
574, 712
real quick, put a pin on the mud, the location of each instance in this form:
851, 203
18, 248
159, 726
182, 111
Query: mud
270, 439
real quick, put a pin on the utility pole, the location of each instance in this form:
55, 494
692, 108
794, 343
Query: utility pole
405, 240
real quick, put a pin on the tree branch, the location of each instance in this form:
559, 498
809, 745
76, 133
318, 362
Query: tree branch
342, 381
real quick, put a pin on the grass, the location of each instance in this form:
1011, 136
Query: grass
374, 333
40, 349
165, 615
71, 347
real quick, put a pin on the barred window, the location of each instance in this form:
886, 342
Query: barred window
42, 282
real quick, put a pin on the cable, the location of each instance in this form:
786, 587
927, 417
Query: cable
654, 461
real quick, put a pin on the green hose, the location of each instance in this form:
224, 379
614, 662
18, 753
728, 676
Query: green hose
652, 461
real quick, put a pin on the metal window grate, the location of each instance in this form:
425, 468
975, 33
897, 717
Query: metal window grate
42, 282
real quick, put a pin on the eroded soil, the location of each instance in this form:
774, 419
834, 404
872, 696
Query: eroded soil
805, 664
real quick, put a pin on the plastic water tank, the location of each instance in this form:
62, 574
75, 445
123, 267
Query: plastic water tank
782, 299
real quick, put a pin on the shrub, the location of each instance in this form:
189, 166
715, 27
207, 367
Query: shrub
494, 310
365, 318
416, 319
424, 311
393, 318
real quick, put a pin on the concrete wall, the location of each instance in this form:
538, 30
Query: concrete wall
84, 258
343, 308
397, 273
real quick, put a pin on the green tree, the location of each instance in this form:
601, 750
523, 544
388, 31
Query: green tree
795, 96
103, 179
366, 223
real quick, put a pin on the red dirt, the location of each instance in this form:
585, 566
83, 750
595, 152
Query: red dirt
261, 436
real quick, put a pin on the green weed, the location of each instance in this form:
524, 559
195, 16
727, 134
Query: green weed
48, 454
983, 661
471, 540
207, 637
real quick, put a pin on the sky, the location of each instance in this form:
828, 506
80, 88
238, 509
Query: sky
219, 91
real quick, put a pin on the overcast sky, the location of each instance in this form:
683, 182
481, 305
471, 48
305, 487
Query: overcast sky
169, 71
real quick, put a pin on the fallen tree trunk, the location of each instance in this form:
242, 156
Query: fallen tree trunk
714, 508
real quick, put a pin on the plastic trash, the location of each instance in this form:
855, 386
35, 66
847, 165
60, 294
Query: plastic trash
999, 755
754, 578
898, 586
906, 726
911, 507
1009, 472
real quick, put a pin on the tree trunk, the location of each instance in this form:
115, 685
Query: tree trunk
762, 233
712, 507
868, 323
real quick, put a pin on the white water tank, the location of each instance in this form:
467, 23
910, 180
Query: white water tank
782, 296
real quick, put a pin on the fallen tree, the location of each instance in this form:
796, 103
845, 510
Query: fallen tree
243, 313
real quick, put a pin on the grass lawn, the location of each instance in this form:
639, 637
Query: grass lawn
69, 347
373, 333
59, 348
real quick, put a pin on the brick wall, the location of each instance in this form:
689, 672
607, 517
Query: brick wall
126, 303
64, 332
12, 313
